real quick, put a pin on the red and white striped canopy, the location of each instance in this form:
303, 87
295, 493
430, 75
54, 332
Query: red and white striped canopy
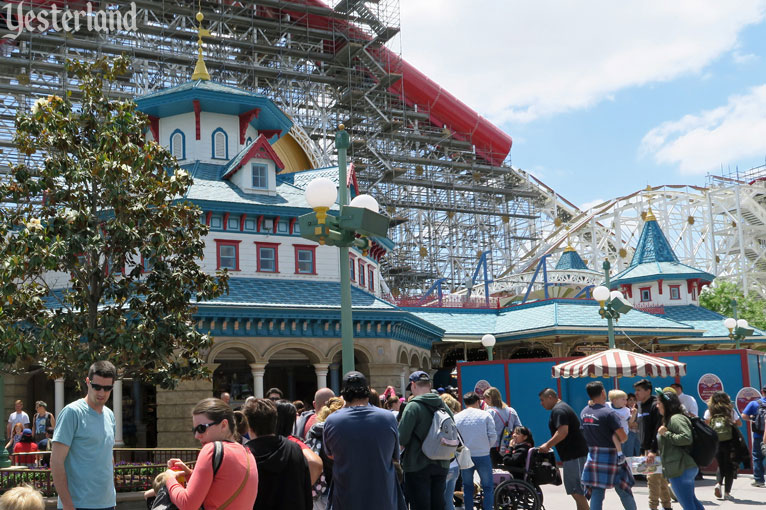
619, 363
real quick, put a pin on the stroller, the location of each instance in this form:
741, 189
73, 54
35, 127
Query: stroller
522, 490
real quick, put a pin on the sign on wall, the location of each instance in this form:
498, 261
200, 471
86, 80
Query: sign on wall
745, 396
707, 385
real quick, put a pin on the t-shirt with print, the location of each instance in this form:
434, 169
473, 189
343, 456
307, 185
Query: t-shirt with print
89, 463
573, 446
751, 409
599, 423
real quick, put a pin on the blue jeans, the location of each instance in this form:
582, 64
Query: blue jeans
597, 498
484, 466
630, 447
757, 458
683, 487
449, 491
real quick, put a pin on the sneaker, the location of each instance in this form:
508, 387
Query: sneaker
717, 491
758, 484
727, 496
620, 458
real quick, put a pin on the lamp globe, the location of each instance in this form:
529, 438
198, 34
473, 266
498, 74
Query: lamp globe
600, 293
365, 201
730, 323
488, 340
321, 193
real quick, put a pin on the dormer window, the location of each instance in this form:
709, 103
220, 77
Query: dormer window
220, 144
178, 144
260, 176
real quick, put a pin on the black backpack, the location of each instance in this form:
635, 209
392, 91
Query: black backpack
759, 423
704, 442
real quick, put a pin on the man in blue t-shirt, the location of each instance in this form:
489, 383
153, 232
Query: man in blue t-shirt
81, 456
363, 442
599, 424
750, 414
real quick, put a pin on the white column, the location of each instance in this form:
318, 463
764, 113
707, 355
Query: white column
58, 403
258, 370
117, 404
321, 370
403, 382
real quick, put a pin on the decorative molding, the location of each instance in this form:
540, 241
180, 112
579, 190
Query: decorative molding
197, 111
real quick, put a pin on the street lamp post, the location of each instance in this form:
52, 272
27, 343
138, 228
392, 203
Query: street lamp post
5, 460
359, 218
739, 329
612, 304
488, 341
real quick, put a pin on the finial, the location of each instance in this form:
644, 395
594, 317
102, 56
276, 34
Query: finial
569, 243
200, 70
650, 215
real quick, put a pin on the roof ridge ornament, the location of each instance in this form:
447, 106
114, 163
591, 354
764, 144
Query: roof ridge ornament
200, 70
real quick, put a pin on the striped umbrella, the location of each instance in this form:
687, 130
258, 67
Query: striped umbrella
619, 363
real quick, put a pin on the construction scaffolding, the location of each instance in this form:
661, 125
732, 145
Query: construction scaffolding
437, 168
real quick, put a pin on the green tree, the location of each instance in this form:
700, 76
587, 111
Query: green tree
75, 230
718, 296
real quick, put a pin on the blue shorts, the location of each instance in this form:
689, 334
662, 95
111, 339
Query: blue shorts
573, 476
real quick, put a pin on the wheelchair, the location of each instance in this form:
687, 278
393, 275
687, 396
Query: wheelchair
521, 491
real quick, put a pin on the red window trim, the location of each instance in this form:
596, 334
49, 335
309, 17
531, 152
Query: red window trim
292, 224
361, 271
641, 297
670, 292
313, 248
258, 246
242, 219
226, 242
352, 267
226, 221
371, 278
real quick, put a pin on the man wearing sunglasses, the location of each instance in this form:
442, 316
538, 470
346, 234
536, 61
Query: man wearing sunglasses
81, 456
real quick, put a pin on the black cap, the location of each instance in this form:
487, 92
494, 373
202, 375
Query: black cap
354, 379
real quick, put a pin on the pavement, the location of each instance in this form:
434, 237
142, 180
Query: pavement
744, 494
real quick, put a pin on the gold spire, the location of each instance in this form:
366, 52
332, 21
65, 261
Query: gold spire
200, 70
569, 248
650, 215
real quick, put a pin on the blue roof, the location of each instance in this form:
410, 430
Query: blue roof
654, 259
563, 316
273, 292
703, 319
570, 259
216, 98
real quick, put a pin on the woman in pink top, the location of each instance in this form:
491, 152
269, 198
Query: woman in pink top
235, 485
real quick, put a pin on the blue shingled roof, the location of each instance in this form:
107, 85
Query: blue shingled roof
570, 259
272, 292
703, 319
654, 259
568, 316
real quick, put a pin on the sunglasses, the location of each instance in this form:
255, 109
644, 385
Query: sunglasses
100, 387
202, 428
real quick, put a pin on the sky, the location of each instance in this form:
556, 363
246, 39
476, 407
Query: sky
603, 98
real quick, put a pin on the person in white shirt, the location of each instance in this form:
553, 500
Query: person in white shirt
689, 402
18, 416
477, 428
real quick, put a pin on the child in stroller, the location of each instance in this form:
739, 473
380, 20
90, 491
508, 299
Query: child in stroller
528, 469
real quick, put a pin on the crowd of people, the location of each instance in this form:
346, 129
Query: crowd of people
360, 449
26, 436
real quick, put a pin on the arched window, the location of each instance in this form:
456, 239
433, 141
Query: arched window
178, 144
220, 144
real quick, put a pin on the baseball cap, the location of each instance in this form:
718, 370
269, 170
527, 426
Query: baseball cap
419, 376
26, 432
354, 379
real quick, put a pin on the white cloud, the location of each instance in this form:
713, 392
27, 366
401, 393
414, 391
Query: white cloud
593, 203
523, 60
724, 135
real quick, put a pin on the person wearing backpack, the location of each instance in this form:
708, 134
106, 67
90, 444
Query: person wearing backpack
722, 417
477, 428
674, 441
425, 479
755, 413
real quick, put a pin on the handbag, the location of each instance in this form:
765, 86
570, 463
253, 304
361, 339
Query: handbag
505, 448
463, 457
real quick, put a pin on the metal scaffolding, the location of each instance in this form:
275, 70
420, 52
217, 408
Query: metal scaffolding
325, 65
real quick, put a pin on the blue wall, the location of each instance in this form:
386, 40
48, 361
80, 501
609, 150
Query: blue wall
527, 378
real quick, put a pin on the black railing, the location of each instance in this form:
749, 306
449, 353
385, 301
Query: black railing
134, 469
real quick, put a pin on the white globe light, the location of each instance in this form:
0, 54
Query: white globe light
366, 202
321, 192
730, 323
616, 294
742, 323
600, 293
488, 340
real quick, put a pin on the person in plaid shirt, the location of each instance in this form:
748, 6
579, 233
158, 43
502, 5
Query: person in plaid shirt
601, 472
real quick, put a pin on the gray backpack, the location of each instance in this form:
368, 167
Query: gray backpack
443, 438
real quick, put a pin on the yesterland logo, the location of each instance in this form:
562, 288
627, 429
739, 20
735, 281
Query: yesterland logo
111, 19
